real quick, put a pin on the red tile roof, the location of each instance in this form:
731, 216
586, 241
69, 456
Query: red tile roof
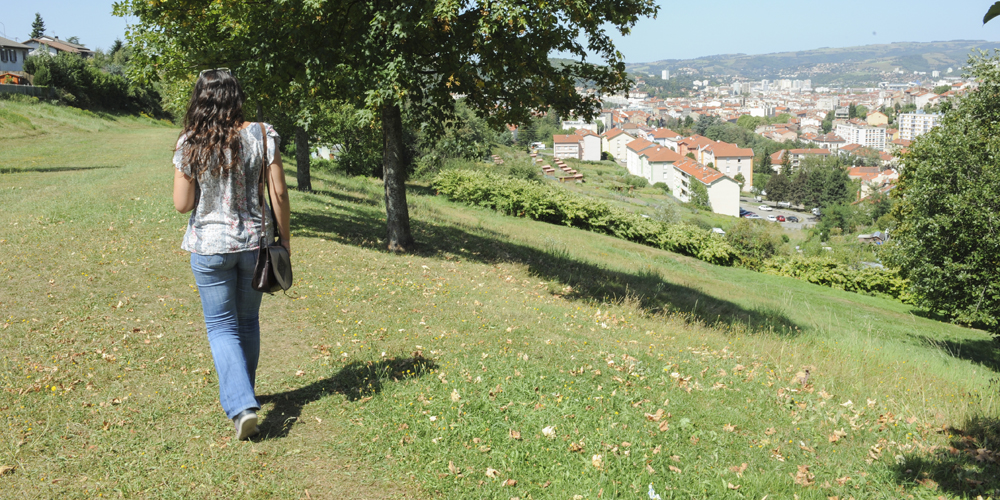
662, 155
566, 139
665, 133
727, 150
702, 173
640, 144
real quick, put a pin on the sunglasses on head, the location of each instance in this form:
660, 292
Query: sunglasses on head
214, 69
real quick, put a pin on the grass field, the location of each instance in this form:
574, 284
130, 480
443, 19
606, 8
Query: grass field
504, 358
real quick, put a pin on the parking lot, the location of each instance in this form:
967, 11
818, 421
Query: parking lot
806, 219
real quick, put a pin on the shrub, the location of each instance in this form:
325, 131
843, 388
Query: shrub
635, 180
546, 203
754, 240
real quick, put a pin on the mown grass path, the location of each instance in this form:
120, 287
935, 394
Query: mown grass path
505, 358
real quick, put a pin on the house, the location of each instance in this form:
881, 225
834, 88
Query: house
731, 160
657, 164
723, 192
590, 144
877, 119
55, 46
12, 55
566, 146
666, 137
614, 141
829, 141
632, 151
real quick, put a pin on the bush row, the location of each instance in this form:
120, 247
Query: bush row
828, 272
546, 203
543, 202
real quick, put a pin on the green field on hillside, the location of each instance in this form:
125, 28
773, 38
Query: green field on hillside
504, 358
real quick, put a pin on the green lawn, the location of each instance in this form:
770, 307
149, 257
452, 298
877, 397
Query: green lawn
504, 358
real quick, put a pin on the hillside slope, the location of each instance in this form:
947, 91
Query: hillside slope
504, 358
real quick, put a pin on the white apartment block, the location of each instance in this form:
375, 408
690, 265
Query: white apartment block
913, 125
864, 135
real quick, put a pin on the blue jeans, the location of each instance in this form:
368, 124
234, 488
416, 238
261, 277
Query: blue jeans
231, 307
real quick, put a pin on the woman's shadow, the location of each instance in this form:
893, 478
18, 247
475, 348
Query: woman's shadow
359, 380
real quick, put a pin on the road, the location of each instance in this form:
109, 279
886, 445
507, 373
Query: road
806, 219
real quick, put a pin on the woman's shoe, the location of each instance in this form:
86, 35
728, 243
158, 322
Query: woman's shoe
246, 424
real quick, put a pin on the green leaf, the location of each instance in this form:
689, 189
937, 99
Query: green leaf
993, 12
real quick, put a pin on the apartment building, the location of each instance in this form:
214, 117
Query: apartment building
913, 125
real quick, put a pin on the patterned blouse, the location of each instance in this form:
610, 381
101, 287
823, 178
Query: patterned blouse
227, 217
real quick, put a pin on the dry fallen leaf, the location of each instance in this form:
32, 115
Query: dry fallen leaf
510, 482
675, 458
803, 477
836, 436
674, 469
452, 468
455, 396
655, 417
597, 461
650, 469
575, 448
738, 469
842, 480
491, 473
549, 432
928, 483
770, 431
732, 486
515, 434
656, 451
664, 426
6, 469
300, 373
729, 428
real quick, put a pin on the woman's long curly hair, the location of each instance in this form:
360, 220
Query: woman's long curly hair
212, 124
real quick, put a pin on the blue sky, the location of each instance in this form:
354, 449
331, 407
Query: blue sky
682, 30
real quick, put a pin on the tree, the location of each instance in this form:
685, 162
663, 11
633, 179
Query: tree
778, 187
73, 39
947, 241
699, 195
799, 189
740, 180
412, 56
38, 26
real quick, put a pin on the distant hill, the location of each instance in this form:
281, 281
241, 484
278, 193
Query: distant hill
830, 65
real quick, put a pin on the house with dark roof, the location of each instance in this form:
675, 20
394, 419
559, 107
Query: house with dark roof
12, 55
54, 46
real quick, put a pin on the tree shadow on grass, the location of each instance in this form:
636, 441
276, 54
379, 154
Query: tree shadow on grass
968, 467
20, 170
355, 381
586, 280
986, 352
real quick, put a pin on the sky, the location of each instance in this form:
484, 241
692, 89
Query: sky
682, 30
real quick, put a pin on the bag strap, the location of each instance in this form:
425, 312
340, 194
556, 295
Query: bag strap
262, 184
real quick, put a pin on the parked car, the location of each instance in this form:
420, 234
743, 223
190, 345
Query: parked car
816, 212
754, 216
772, 218
792, 218
765, 208
781, 218
784, 204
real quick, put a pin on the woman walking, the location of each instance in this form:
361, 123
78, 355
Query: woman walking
218, 163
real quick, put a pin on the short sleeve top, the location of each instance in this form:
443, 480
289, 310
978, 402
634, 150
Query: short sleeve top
227, 215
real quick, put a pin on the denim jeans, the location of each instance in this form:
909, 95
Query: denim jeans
231, 307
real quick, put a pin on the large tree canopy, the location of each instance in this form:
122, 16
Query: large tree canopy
948, 207
389, 56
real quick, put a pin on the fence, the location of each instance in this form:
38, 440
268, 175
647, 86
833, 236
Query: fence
26, 90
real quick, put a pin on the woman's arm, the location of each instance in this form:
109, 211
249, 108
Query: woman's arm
279, 199
184, 192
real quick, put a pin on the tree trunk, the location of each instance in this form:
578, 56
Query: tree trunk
302, 159
398, 234
260, 112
